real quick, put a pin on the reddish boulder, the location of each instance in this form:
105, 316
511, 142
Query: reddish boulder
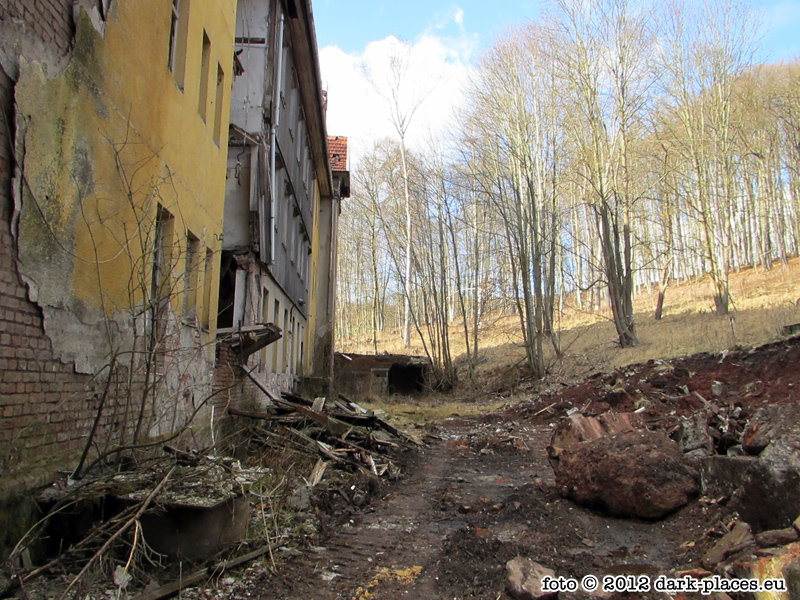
576, 429
632, 474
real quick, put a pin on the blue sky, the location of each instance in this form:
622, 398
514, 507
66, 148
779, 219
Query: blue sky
352, 24
446, 36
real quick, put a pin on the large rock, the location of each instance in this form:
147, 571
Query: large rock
769, 423
769, 495
632, 474
576, 429
524, 579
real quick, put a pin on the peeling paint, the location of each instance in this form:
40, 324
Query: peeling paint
104, 140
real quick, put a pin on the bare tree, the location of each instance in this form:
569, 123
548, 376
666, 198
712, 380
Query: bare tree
403, 102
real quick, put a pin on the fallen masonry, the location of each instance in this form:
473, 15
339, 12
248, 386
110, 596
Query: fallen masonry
168, 506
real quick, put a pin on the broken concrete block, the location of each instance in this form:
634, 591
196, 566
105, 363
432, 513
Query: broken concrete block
524, 579
722, 475
736, 540
769, 497
196, 532
693, 435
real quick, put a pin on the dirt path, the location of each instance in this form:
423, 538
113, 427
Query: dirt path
482, 492
478, 496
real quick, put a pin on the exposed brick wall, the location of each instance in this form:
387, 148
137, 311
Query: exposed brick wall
44, 405
227, 388
50, 21
46, 409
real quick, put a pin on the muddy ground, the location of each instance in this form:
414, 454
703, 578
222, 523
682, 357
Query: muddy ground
481, 491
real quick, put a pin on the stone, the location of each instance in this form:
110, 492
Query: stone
524, 579
791, 574
722, 475
631, 474
693, 435
736, 540
777, 537
768, 423
300, 499
576, 429
769, 497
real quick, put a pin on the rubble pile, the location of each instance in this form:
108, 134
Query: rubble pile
341, 433
646, 440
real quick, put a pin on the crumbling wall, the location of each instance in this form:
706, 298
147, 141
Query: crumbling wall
92, 147
32, 379
43, 401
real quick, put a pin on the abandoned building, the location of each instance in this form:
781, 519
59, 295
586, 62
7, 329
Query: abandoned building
281, 209
361, 376
114, 148
131, 232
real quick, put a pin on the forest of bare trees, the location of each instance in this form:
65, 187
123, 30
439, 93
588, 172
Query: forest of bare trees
606, 149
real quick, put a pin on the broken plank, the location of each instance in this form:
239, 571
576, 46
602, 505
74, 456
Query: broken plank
334, 426
261, 386
169, 589
396, 432
296, 399
328, 452
317, 472
250, 414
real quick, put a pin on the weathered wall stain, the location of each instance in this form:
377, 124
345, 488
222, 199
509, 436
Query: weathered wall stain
101, 141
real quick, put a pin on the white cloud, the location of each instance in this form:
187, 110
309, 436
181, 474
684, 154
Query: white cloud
436, 72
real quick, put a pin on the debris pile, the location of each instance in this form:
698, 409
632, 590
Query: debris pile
171, 505
340, 432
723, 428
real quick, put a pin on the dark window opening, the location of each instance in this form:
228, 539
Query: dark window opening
227, 290
406, 379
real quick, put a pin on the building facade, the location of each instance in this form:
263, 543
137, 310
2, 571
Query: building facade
113, 151
279, 236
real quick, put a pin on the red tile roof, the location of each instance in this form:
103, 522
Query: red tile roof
337, 150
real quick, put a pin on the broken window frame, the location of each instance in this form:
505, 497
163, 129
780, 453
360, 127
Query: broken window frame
178, 36
191, 278
205, 66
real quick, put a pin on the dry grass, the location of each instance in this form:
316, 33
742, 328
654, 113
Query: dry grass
410, 411
763, 302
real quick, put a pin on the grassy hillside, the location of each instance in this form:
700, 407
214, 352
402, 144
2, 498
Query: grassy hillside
764, 301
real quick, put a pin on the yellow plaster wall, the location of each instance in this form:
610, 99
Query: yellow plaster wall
110, 138
311, 326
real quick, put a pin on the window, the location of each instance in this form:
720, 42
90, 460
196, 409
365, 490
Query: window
162, 253
306, 166
191, 276
205, 320
218, 104
301, 137
205, 65
265, 318
286, 336
275, 346
178, 32
173, 32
